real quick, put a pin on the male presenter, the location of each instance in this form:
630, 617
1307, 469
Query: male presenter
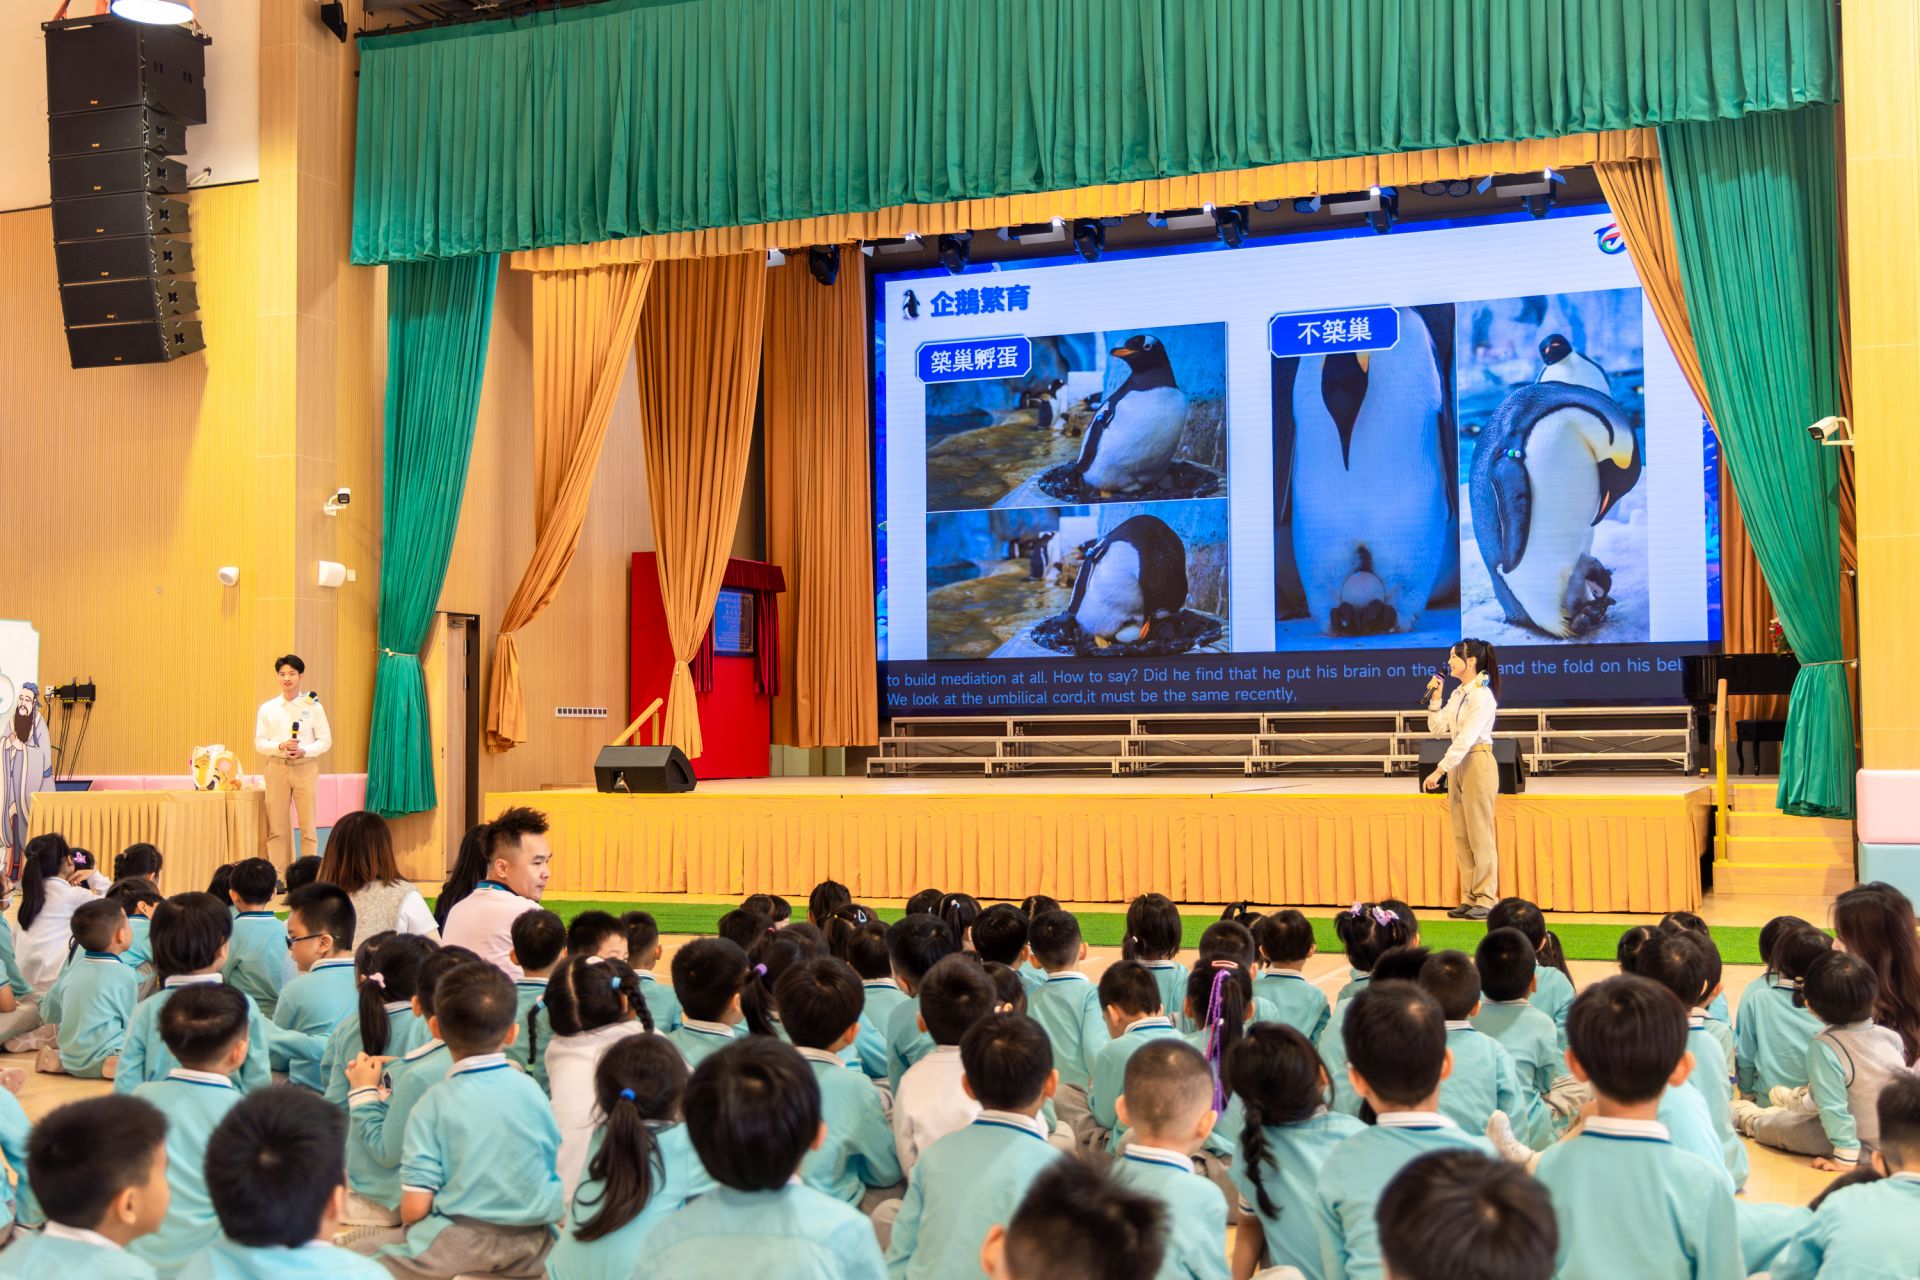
291, 732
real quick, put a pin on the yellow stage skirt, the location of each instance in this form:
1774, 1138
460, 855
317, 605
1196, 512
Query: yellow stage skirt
1625, 853
196, 831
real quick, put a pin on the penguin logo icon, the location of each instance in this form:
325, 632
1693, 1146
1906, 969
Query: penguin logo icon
1609, 240
909, 306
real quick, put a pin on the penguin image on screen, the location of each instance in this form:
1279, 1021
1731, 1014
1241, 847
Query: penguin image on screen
1131, 579
1564, 364
909, 306
1551, 462
1040, 557
1366, 481
1132, 439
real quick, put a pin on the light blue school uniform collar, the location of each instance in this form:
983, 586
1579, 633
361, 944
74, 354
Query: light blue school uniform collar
1626, 1130
205, 1079
1461, 1024
332, 962
100, 957
396, 1007
1294, 974
191, 979
1141, 1154
1903, 1176
720, 1030
1071, 975
531, 983
1414, 1120
479, 1062
1696, 1021
1161, 964
424, 1050
255, 915
1032, 1126
80, 1235
878, 983
824, 1058
1151, 1024
645, 975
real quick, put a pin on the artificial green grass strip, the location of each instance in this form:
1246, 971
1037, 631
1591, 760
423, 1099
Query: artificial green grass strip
1738, 945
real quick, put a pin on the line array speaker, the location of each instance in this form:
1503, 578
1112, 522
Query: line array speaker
120, 98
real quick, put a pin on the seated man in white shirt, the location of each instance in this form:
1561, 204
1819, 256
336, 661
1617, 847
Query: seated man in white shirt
518, 866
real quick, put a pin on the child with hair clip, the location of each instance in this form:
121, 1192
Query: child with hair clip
1007, 985
1368, 930
1130, 1003
593, 1003
1849, 1062
1553, 995
925, 903
1771, 1035
1224, 940
1220, 1002
708, 977
770, 958
960, 910
385, 1092
826, 900
643, 954
1286, 1134
539, 940
190, 933
1284, 941
641, 1167
383, 1022
1154, 938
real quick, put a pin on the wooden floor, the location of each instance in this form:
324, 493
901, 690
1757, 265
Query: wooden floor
1775, 1177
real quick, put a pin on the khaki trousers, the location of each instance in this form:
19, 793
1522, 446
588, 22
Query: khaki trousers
298, 780
1470, 792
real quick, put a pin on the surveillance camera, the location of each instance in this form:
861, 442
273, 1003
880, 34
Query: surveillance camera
341, 497
1832, 431
229, 575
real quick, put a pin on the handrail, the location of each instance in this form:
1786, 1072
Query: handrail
1720, 769
626, 735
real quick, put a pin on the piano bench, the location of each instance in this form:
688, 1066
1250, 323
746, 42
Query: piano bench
1754, 732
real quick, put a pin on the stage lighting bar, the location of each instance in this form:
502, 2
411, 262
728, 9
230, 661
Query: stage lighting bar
1200, 219
1054, 232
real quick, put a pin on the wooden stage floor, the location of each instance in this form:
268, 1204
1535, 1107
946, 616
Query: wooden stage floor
1586, 844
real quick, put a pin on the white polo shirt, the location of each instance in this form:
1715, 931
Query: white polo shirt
482, 922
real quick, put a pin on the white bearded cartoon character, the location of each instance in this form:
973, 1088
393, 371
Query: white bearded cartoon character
26, 767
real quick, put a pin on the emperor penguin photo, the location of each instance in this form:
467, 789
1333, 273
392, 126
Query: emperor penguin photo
1132, 578
1369, 483
1132, 439
1564, 364
1555, 457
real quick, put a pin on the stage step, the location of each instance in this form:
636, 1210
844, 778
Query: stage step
1780, 850
1777, 879
1773, 823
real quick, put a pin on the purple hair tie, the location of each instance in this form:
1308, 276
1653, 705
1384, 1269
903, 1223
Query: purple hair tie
378, 980
1356, 909
1384, 917
1215, 1017
761, 970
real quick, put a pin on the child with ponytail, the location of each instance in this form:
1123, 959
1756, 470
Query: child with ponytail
382, 1024
1286, 1133
1221, 1006
539, 941
1153, 938
641, 1165
769, 959
1368, 930
593, 1003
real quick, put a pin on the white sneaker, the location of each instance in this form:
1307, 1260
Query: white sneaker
1500, 1133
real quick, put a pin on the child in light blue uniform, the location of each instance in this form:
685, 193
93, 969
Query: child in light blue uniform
382, 1098
1221, 1006
1067, 1007
1771, 1035
819, 1004
190, 933
1130, 1004
383, 1022
257, 953
1553, 989
1680, 962
1865, 1231
1508, 968
139, 897
479, 1187
642, 1146
19, 1004
1483, 1079
539, 945
16, 1202
206, 1029
101, 1166
708, 976
866, 951
1000, 937
319, 941
1285, 1138
971, 1180
1396, 1038
1154, 935
1667, 1212
1368, 931
97, 992
274, 1167
1285, 942
643, 953
1073, 1218
1451, 1214
1168, 1103
753, 1111
914, 945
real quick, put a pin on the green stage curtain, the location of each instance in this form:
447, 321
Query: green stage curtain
1755, 217
438, 317
635, 117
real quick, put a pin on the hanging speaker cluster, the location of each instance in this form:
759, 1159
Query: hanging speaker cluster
120, 97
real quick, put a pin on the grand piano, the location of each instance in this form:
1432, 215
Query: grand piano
1745, 674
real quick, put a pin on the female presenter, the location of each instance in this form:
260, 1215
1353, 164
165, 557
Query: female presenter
1467, 717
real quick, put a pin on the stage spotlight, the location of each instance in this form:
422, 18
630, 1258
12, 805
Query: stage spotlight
1231, 226
1267, 206
1307, 204
1090, 238
165, 13
824, 261
1433, 188
1459, 187
1386, 210
955, 248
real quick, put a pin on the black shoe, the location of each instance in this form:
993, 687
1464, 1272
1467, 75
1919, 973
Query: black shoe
1474, 913
1461, 912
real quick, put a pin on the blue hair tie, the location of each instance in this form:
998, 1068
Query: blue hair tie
626, 1095
616, 982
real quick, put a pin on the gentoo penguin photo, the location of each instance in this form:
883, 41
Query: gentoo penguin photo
1369, 490
1131, 441
1551, 462
1564, 364
1132, 578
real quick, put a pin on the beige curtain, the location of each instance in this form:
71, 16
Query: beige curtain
699, 351
819, 508
583, 329
1637, 193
